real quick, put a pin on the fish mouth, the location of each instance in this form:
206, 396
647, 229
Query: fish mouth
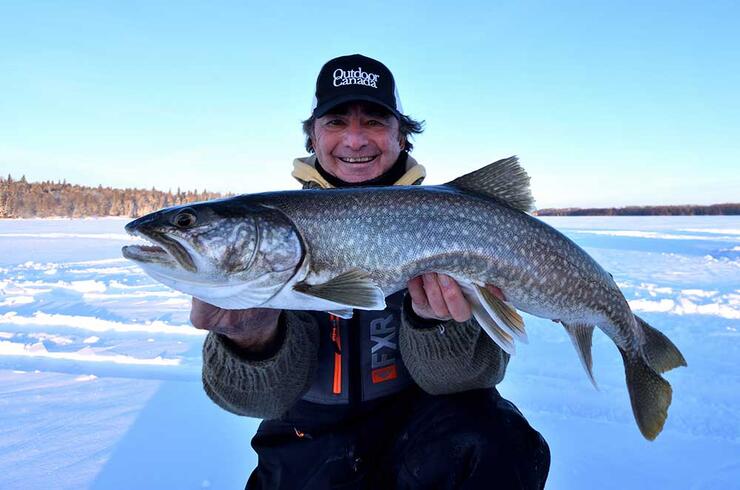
165, 251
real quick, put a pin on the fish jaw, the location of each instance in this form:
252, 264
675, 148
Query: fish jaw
161, 266
145, 254
165, 251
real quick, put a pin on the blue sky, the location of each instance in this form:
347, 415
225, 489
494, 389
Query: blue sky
606, 103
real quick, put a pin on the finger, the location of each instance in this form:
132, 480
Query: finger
456, 303
496, 292
416, 290
434, 295
419, 301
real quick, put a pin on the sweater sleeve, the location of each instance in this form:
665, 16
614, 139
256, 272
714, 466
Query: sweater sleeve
262, 388
449, 357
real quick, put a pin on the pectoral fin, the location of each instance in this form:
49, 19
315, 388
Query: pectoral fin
581, 335
504, 314
352, 289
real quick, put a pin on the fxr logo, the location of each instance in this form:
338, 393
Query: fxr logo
383, 350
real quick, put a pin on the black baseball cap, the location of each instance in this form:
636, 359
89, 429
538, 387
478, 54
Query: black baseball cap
355, 77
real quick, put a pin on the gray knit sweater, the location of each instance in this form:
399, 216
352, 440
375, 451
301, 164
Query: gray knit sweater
450, 358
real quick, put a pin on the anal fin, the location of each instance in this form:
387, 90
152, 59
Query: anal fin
352, 289
581, 335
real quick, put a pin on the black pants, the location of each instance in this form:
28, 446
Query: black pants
469, 440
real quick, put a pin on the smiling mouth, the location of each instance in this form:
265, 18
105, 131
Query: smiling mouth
358, 159
166, 251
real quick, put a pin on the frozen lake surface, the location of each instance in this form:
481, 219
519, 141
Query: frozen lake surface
100, 369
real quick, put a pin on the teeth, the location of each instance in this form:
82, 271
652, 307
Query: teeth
356, 159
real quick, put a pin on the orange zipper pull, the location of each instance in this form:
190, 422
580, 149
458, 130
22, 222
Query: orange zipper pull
336, 338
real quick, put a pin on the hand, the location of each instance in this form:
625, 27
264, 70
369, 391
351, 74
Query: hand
254, 329
438, 296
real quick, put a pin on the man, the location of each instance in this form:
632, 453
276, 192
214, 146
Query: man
400, 398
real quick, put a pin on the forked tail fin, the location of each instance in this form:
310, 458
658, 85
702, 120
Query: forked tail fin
650, 395
660, 353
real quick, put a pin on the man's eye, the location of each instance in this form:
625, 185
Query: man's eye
374, 123
334, 122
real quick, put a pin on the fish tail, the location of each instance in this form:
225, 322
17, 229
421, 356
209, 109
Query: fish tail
660, 353
650, 394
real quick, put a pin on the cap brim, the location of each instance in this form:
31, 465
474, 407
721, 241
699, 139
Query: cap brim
327, 106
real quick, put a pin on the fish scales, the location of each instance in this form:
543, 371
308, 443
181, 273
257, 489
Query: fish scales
398, 233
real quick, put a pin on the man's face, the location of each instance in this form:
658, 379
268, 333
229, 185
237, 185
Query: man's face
356, 142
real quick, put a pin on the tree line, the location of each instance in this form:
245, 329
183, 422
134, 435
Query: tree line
680, 210
22, 199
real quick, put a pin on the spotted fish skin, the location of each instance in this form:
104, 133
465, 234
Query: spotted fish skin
396, 233
342, 242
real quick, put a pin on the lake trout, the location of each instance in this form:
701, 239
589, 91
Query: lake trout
342, 249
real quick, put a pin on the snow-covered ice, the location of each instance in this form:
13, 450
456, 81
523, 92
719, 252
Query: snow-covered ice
100, 369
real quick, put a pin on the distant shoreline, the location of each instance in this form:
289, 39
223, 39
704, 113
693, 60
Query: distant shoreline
60, 200
724, 209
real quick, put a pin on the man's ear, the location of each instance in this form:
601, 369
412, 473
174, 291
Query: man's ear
312, 138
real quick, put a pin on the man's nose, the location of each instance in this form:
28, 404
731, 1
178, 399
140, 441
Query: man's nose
355, 137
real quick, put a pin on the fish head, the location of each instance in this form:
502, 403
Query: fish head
218, 249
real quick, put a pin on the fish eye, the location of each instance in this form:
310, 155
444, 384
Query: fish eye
184, 219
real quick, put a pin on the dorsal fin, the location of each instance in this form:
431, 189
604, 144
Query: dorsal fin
504, 180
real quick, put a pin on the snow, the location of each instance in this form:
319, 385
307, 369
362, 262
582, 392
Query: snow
652, 234
87, 236
94, 324
100, 369
86, 354
722, 231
